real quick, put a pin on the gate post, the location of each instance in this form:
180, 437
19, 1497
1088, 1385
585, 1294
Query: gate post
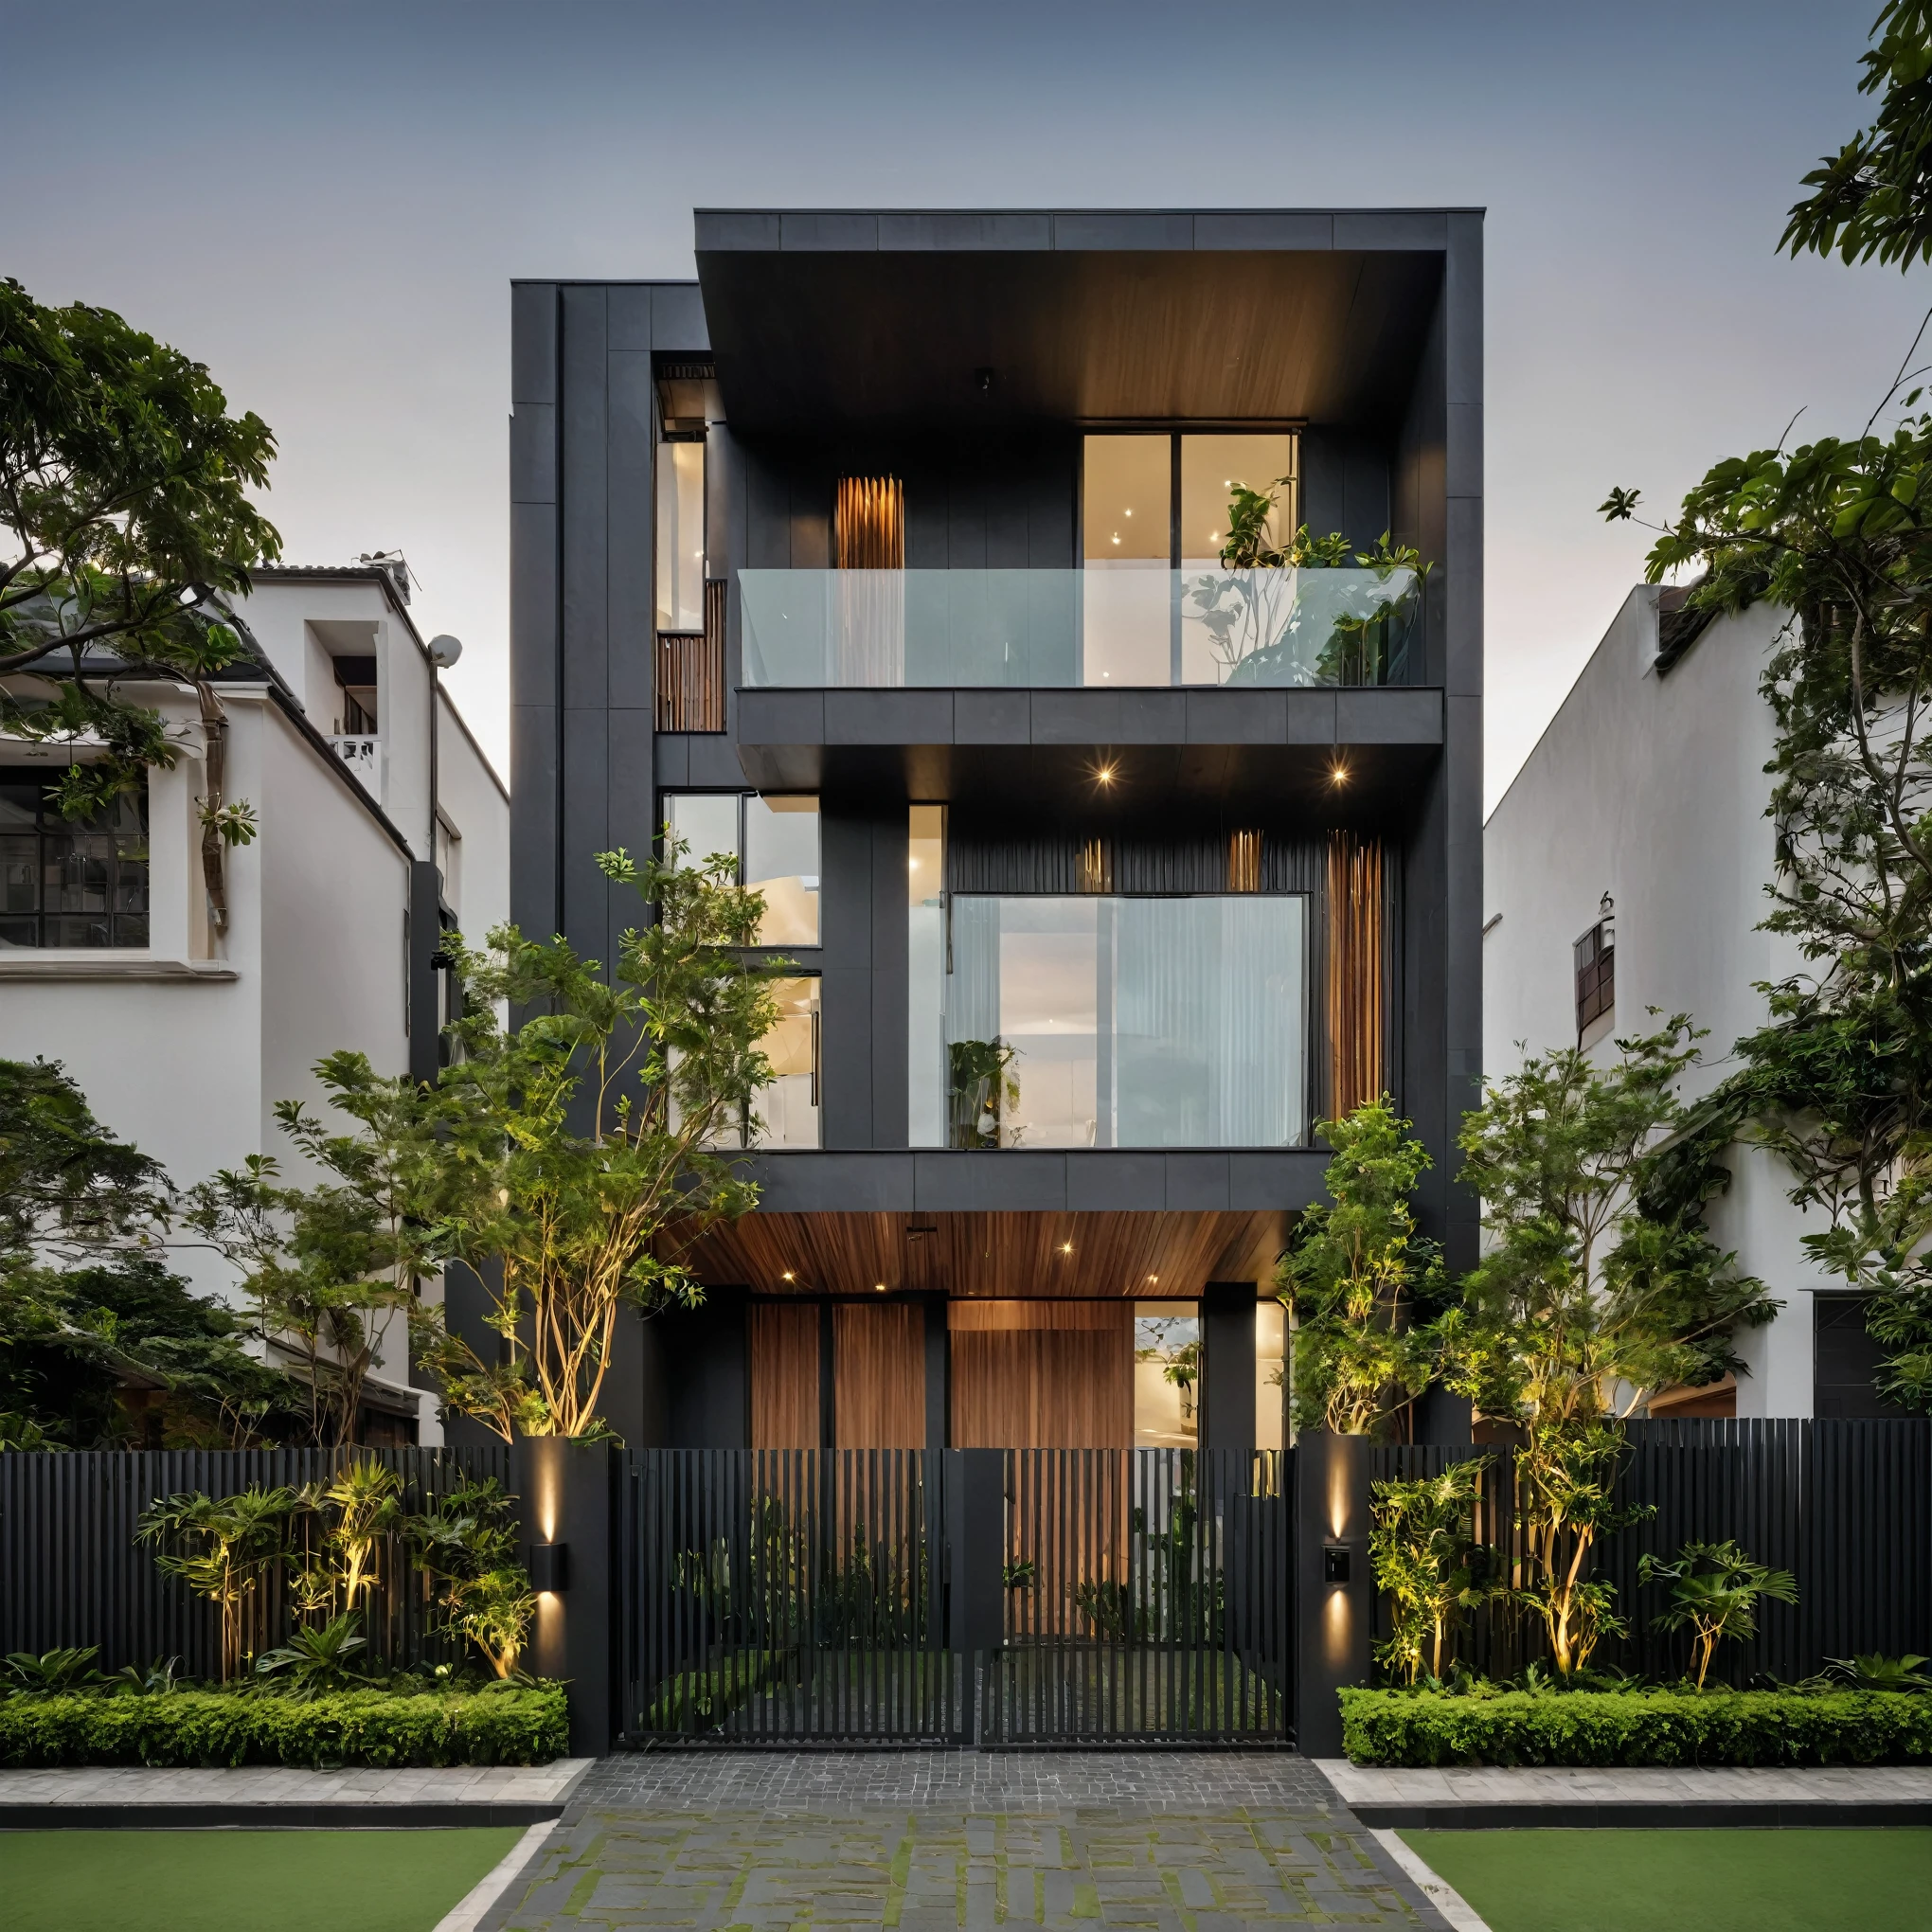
1333, 1587
566, 1510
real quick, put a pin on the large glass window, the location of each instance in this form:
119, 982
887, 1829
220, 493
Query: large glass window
926, 954
785, 1113
681, 535
774, 840
70, 883
1167, 1374
1137, 624
1097, 1020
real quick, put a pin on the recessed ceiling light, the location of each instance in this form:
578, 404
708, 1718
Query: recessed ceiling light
878, 1287
1105, 775
1338, 773
787, 1276
1067, 1247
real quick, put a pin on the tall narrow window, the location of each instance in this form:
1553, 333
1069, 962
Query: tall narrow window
70, 883
925, 949
1595, 961
1271, 1357
681, 535
1167, 1374
785, 1113
1127, 548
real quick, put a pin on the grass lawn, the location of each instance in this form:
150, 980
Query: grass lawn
1717, 1881
241, 1881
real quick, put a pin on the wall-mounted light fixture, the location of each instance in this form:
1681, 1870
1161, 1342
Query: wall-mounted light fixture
1335, 1564
549, 1565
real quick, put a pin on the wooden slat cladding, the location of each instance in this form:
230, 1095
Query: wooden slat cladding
868, 524
784, 1376
1165, 1252
1014, 1387
983, 1315
1244, 861
1001, 858
1356, 993
691, 671
878, 1354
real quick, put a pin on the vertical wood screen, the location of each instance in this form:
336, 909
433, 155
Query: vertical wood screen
869, 540
1032, 1375
878, 1355
691, 671
1356, 1000
1097, 865
784, 1376
1244, 861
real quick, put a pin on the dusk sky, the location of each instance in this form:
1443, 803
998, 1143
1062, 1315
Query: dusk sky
327, 204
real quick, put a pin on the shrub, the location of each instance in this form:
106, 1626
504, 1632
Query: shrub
511, 1726
1637, 1727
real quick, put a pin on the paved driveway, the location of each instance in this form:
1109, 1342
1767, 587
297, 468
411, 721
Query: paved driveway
935, 1841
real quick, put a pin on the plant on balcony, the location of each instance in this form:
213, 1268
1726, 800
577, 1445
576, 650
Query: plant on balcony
1599, 1288
984, 1089
1429, 1561
1359, 1283
1268, 627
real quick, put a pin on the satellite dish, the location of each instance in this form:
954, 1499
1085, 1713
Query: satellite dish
444, 650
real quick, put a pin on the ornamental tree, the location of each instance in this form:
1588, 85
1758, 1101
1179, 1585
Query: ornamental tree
124, 521
1355, 1277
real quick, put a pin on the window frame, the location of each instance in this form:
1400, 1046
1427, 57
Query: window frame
1598, 997
48, 825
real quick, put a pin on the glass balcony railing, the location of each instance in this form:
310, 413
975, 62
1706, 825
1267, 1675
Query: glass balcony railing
1103, 1021
1108, 625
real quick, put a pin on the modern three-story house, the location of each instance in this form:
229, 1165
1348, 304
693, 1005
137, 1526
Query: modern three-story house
888, 555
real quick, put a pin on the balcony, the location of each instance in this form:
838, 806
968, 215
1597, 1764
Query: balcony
1126, 627
1097, 1020
362, 752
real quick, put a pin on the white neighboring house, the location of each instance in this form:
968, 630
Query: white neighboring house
380, 822
1625, 869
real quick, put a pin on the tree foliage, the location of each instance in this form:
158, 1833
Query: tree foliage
1873, 199
1715, 1589
1355, 1276
579, 1151
1430, 1561
124, 519
1599, 1288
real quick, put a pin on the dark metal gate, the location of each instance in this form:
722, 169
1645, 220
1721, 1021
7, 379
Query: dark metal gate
1034, 1596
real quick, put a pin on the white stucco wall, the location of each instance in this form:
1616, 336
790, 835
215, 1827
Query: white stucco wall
1653, 788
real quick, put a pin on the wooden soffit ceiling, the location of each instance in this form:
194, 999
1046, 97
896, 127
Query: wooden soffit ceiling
1084, 1256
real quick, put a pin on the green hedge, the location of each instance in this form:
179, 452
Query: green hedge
513, 1726
1637, 1727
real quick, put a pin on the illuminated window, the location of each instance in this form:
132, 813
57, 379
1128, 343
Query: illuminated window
1271, 1379
1167, 1374
681, 535
774, 841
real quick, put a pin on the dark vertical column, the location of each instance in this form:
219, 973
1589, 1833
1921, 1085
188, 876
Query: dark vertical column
535, 690
631, 441
710, 1394
1227, 1367
584, 602
975, 1510
469, 1298
1462, 300
425, 989
846, 910
890, 1109
566, 1504
939, 1381
828, 1379
1333, 1590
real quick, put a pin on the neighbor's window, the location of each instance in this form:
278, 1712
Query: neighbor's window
1167, 1374
355, 678
1595, 956
70, 883
681, 535
774, 840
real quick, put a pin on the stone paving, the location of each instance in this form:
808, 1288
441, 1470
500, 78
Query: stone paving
938, 1841
1509, 1786
273, 1785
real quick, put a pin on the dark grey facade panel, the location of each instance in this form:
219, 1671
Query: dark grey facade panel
585, 509
1403, 228
1463, 619
1462, 463
967, 232
586, 894
1105, 231
632, 819
1199, 1182
533, 454
993, 717
534, 828
630, 444
1463, 289
532, 343
845, 1080
534, 670
831, 229
1263, 230
735, 228
627, 318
